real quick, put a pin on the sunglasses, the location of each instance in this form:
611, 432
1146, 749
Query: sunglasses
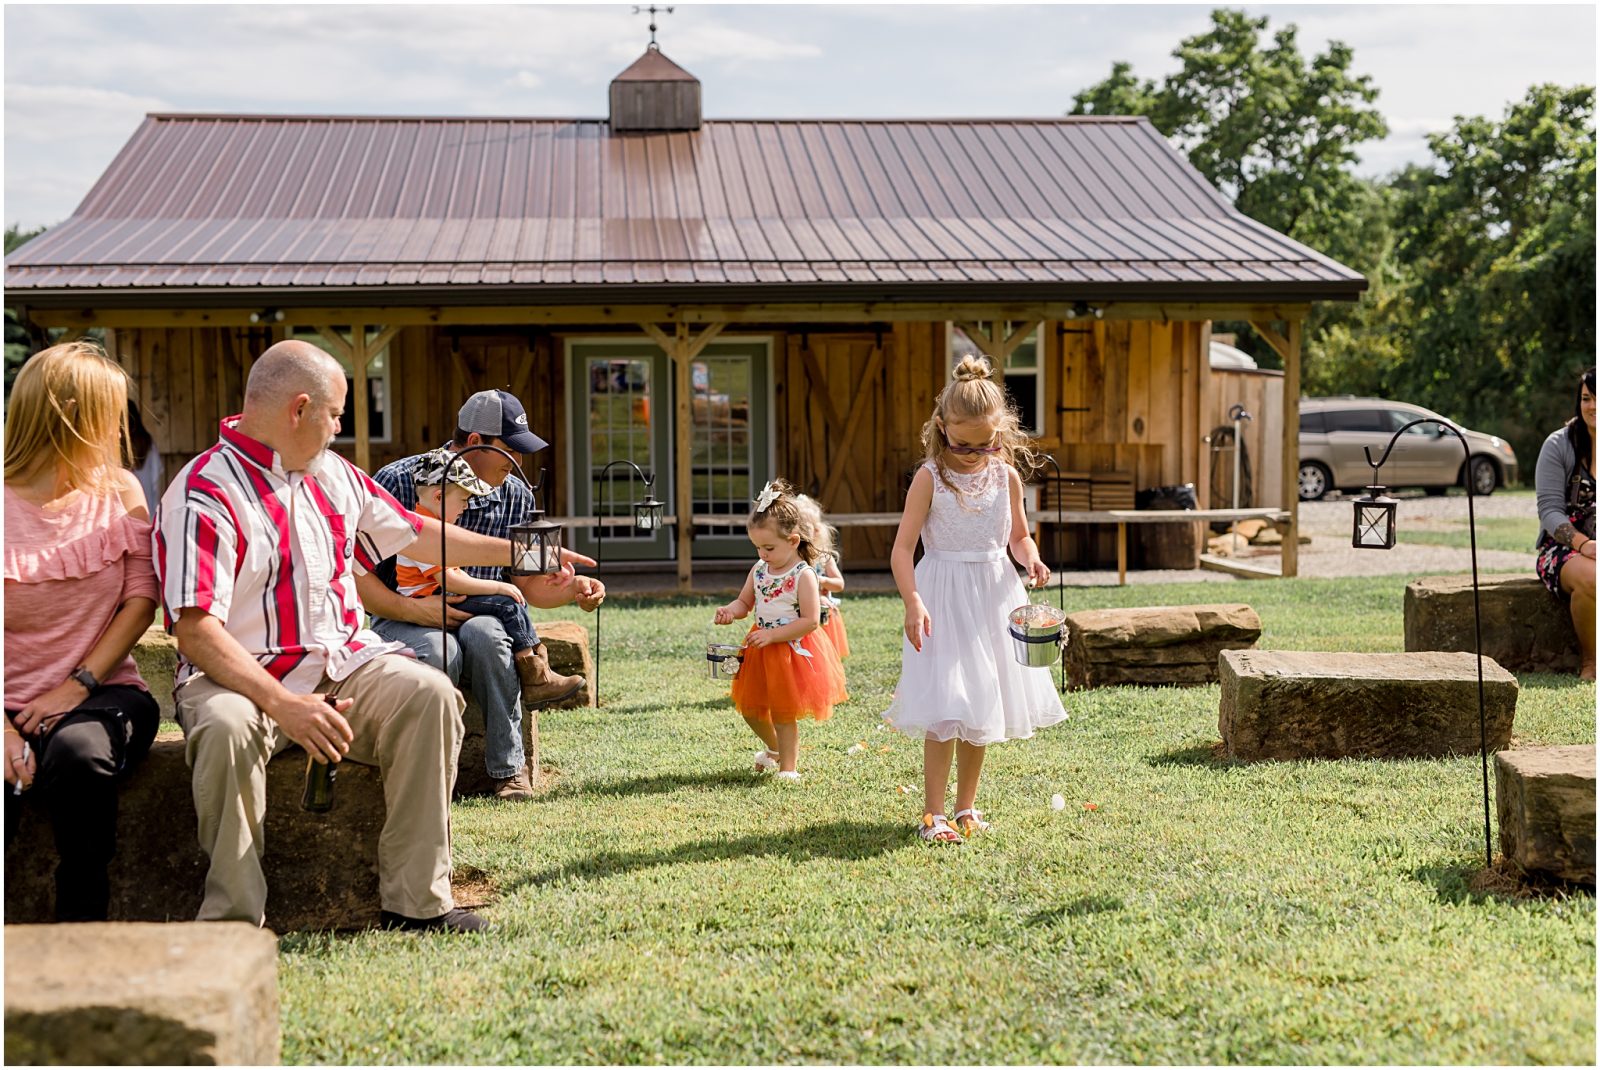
966, 450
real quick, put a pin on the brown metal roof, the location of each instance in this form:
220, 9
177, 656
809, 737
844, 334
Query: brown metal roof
543, 210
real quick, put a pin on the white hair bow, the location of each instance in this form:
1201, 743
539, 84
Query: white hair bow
768, 495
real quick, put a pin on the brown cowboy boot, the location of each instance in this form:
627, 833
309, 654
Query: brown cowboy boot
541, 685
517, 786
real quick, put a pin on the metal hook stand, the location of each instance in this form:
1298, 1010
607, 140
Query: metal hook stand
1477, 618
1061, 579
601, 516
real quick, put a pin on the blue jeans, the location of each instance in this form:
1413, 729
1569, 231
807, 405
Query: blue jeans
477, 658
513, 617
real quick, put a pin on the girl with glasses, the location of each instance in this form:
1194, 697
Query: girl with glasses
960, 688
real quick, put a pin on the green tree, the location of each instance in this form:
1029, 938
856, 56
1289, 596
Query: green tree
1498, 237
18, 343
1278, 134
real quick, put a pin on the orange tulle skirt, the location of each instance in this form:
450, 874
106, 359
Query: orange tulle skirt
835, 630
777, 683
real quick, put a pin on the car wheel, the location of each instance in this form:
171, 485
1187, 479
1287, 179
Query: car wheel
1485, 476
1315, 481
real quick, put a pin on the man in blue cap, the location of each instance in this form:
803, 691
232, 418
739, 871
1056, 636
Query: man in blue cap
478, 655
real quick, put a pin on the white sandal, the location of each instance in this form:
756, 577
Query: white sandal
766, 761
790, 775
971, 820
935, 829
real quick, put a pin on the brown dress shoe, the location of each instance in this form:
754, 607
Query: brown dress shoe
541, 685
517, 786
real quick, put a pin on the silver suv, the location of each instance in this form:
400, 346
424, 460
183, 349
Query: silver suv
1334, 430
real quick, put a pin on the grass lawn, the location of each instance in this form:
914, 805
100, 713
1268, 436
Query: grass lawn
661, 903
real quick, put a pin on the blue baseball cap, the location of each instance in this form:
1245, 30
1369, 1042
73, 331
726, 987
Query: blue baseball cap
498, 414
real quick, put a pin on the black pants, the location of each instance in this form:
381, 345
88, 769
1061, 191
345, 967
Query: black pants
78, 762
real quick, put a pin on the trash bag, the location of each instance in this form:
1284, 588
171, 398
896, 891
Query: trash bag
1181, 496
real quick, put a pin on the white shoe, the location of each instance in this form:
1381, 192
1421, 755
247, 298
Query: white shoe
788, 774
766, 761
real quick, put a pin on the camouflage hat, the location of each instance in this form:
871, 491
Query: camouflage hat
440, 466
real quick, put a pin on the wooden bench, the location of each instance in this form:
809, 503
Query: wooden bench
1120, 517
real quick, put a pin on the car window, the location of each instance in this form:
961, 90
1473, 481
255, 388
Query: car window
1374, 420
1313, 423
1400, 418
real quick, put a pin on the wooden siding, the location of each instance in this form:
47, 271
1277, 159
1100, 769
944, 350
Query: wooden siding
1260, 391
848, 412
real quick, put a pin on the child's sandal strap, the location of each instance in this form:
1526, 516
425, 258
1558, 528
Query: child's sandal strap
936, 828
971, 820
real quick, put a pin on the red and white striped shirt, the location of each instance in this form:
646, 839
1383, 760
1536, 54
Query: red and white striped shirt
274, 555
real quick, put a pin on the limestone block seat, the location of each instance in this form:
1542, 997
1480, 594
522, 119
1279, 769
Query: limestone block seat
1297, 704
1545, 799
1156, 644
1524, 628
117, 993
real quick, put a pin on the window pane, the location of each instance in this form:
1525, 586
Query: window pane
1370, 420
1023, 390
1312, 422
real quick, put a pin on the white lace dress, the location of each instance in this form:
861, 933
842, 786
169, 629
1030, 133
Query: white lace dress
964, 683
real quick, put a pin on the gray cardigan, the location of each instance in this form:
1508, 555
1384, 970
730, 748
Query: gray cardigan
1557, 460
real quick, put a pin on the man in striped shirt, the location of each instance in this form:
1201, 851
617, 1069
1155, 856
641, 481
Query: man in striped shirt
478, 653
258, 544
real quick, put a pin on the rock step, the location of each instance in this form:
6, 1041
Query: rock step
1156, 644
1545, 799
1292, 705
1525, 628
115, 993
321, 869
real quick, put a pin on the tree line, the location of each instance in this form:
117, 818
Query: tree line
1481, 262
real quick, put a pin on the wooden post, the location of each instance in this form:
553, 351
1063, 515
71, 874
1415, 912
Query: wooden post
1122, 553
358, 361
1291, 450
683, 349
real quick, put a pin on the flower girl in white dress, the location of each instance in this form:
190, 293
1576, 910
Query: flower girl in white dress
960, 688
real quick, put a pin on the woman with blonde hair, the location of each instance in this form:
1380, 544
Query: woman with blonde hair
79, 591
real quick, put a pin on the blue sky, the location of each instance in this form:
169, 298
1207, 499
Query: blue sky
79, 77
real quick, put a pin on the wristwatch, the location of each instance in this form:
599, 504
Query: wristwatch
84, 677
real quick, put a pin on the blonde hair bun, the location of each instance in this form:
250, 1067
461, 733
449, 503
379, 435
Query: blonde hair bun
972, 368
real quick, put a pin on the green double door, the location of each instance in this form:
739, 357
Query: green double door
621, 403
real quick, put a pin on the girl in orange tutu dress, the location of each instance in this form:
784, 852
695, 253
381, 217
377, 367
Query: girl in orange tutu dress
825, 538
790, 669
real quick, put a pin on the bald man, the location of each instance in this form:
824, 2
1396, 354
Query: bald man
258, 544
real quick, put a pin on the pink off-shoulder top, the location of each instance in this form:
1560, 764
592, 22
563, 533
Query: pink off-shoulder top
67, 572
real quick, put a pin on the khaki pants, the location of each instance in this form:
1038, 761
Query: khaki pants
406, 719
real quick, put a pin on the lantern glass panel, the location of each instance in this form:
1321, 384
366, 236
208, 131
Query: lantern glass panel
647, 514
1374, 524
536, 548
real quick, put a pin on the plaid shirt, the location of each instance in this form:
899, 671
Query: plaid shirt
274, 555
490, 514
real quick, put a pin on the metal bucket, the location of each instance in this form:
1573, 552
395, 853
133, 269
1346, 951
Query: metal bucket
724, 659
1037, 634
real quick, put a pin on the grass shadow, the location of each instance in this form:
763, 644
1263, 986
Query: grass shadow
1461, 883
1081, 907
656, 784
715, 702
844, 840
1552, 681
1206, 755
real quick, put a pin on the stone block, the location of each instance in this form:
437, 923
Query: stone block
567, 643
1155, 645
202, 993
1525, 628
321, 869
1545, 799
1291, 705
156, 655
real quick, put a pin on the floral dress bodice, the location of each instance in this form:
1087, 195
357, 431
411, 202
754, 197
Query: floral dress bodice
978, 519
778, 596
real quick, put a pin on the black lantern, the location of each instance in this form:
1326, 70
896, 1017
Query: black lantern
1374, 520
647, 511
535, 546
647, 515
1374, 529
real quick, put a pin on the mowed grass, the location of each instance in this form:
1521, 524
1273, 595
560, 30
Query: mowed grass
661, 903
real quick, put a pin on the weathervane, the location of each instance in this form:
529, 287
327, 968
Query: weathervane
653, 10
